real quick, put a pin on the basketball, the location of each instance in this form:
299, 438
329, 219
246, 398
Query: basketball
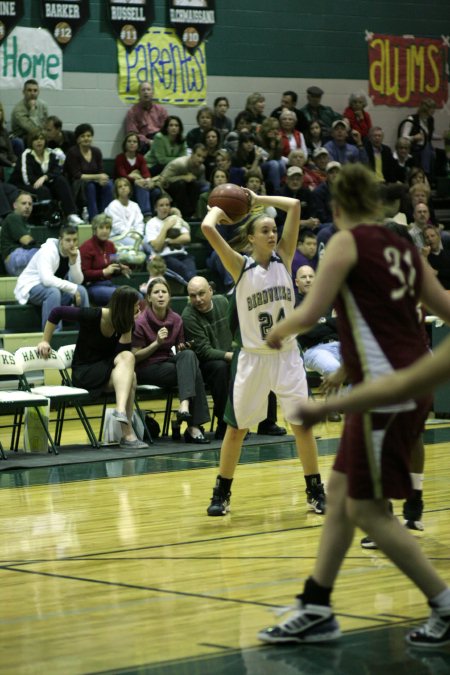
232, 199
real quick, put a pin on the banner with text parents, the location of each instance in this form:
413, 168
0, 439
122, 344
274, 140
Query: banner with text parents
177, 76
403, 70
30, 53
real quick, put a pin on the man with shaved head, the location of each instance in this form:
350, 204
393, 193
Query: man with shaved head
206, 324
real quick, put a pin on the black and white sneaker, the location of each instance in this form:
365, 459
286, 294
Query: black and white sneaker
307, 623
315, 498
434, 633
412, 514
367, 542
220, 503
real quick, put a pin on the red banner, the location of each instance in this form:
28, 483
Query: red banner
404, 70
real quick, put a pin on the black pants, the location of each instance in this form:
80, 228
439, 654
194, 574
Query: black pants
181, 370
216, 374
185, 195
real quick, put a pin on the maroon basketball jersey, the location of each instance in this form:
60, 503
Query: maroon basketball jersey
378, 323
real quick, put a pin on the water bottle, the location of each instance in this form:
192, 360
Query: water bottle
85, 214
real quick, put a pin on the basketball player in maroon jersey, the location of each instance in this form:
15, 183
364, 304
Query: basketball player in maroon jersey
375, 279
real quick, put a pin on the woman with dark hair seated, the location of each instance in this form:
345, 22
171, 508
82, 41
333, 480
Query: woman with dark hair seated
163, 359
205, 117
84, 168
130, 164
39, 171
242, 122
167, 144
103, 360
212, 142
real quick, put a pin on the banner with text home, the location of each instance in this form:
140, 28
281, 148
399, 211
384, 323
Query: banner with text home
30, 53
177, 76
405, 69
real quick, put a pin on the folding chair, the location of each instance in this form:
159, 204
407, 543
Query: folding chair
61, 396
66, 355
14, 402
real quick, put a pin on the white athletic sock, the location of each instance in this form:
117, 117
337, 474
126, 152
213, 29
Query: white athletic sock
442, 600
417, 481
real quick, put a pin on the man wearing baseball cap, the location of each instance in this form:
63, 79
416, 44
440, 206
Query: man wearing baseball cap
315, 111
322, 195
294, 188
341, 151
315, 174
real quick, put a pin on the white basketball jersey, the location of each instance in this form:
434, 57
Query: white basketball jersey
263, 297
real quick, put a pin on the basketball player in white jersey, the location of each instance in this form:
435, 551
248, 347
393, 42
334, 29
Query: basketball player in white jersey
264, 296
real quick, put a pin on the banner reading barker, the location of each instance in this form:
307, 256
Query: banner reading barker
404, 69
64, 19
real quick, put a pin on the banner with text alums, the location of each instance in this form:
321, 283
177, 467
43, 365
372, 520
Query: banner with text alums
405, 69
177, 76
30, 53
192, 20
10, 15
130, 19
64, 18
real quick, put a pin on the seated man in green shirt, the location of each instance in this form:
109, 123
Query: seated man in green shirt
17, 245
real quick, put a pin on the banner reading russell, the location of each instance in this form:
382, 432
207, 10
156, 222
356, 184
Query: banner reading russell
177, 76
404, 70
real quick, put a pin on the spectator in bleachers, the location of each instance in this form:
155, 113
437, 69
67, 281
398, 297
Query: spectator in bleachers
340, 150
17, 245
417, 227
248, 155
8, 195
220, 119
380, 157
254, 106
57, 137
40, 171
236, 174
204, 119
84, 168
212, 142
184, 179
145, 118
8, 157
419, 130
131, 164
158, 332
437, 255
273, 166
357, 117
294, 188
314, 137
99, 262
306, 252
403, 160
291, 138
242, 122
30, 114
218, 177
126, 215
168, 144
315, 111
321, 204
315, 172
167, 234
288, 102
53, 276
418, 193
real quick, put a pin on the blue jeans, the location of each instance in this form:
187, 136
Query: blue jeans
98, 197
18, 260
142, 197
100, 292
50, 297
273, 171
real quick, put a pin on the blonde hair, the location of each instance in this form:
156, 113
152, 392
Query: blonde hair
357, 191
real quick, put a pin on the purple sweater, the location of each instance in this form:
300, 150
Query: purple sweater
146, 329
